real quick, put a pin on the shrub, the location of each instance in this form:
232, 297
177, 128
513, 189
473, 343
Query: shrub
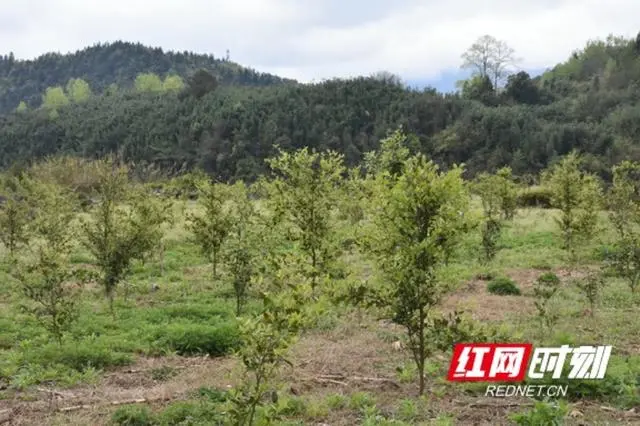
293, 407
78, 356
534, 196
543, 413
192, 339
212, 394
336, 401
79, 175
190, 413
132, 415
545, 287
503, 286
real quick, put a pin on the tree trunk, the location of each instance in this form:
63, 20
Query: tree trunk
421, 356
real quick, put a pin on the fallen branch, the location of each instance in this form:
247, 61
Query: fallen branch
342, 380
54, 393
74, 408
136, 371
500, 405
331, 376
113, 403
335, 382
371, 379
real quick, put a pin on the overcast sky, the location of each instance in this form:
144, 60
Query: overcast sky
421, 40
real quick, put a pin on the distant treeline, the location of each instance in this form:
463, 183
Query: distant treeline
589, 103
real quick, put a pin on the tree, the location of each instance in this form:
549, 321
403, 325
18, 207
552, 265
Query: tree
624, 198
22, 107
522, 89
265, 340
545, 287
489, 57
305, 193
201, 83
173, 83
624, 213
54, 98
498, 195
49, 282
211, 228
388, 78
479, 88
148, 82
394, 150
591, 285
14, 214
578, 195
242, 244
78, 90
118, 233
111, 89
413, 218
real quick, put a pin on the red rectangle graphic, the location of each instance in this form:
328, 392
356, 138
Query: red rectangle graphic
489, 362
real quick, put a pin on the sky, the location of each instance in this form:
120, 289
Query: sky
311, 40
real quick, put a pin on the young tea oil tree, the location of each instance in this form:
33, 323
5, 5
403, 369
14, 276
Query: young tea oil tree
591, 285
242, 244
498, 195
624, 213
490, 189
49, 282
624, 199
15, 214
578, 196
390, 157
414, 218
626, 260
210, 228
507, 190
151, 212
266, 338
122, 228
353, 197
545, 287
304, 192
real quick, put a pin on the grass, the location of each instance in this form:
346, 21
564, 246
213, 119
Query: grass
183, 333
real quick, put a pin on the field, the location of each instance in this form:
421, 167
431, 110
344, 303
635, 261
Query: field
167, 356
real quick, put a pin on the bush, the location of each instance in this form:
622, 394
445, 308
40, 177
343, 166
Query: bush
190, 413
197, 339
200, 313
78, 356
133, 415
76, 174
503, 286
542, 414
534, 196
292, 407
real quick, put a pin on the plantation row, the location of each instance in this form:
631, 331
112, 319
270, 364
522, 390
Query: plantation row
280, 245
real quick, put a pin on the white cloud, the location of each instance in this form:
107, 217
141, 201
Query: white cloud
316, 39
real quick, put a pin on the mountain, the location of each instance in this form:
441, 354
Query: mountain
117, 63
590, 103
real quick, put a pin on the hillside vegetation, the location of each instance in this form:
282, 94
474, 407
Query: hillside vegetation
588, 103
112, 64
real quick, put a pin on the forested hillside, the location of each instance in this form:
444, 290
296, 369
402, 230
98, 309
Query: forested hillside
588, 103
116, 63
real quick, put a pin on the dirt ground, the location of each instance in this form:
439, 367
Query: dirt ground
357, 355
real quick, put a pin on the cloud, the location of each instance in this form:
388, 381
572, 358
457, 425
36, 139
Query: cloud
317, 39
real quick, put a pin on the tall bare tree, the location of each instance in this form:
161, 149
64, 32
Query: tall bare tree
489, 57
